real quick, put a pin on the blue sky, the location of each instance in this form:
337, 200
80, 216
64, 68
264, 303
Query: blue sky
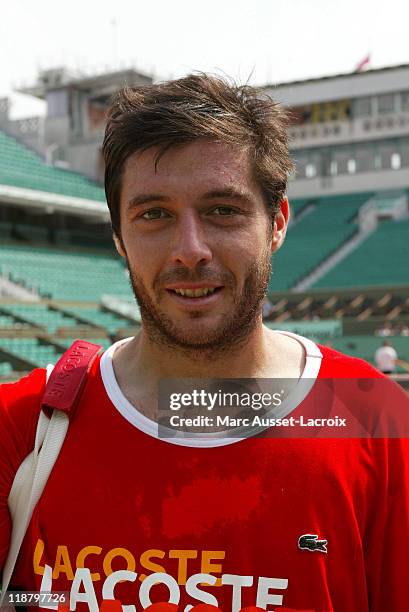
266, 40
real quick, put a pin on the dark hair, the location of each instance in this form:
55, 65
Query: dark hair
197, 106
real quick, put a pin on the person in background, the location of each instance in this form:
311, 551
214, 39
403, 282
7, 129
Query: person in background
403, 330
385, 330
386, 358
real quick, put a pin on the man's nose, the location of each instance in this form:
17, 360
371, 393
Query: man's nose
190, 246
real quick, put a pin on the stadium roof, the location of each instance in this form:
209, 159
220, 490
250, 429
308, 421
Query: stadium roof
61, 78
337, 76
25, 178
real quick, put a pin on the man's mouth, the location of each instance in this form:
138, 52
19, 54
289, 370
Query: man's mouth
196, 292
195, 295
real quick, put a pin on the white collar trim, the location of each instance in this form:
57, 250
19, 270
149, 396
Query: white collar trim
313, 357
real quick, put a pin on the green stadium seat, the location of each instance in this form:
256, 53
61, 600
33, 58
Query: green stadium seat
66, 274
5, 368
109, 321
40, 314
315, 237
30, 349
381, 259
21, 167
6, 321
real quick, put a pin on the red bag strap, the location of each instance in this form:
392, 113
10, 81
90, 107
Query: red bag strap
68, 378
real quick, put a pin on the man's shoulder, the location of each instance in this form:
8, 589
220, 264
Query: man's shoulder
379, 407
29, 390
24, 390
20, 405
20, 401
339, 365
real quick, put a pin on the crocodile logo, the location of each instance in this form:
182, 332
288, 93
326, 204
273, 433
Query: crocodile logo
310, 541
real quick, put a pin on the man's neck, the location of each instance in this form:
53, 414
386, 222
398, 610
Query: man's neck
242, 360
139, 364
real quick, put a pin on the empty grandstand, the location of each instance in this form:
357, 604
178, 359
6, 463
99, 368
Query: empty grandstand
381, 259
21, 167
341, 274
65, 274
327, 223
58, 266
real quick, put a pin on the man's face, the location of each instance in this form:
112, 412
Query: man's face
197, 238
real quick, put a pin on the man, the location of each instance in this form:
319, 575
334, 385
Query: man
386, 358
385, 330
196, 173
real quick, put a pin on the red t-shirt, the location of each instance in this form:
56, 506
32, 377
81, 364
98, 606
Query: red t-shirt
306, 524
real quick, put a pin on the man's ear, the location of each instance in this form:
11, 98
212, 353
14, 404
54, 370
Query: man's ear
280, 225
119, 245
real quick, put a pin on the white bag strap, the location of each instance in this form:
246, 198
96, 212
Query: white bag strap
33, 473
30, 480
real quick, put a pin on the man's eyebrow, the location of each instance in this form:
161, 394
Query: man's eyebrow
229, 193
145, 199
215, 194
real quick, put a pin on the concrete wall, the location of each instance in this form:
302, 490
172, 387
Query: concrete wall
84, 157
344, 132
347, 86
364, 181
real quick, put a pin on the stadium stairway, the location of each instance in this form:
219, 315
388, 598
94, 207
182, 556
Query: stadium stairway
315, 237
331, 262
384, 205
381, 259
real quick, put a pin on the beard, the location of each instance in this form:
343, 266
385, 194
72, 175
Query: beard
236, 325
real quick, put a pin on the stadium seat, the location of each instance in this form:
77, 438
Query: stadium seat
107, 320
314, 238
381, 259
39, 315
22, 167
5, 368
36, 354
66, 274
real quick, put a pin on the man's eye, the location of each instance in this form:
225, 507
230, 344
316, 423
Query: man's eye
153, 213
224, 211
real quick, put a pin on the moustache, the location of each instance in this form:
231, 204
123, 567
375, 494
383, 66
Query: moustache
184, 276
